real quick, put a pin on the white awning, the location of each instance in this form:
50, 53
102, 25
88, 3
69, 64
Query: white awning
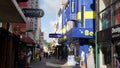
11, 12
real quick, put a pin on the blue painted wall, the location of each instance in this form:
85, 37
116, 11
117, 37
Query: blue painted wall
85, 47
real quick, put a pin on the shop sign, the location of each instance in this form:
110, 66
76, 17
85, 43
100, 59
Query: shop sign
0, 24
83, 32
22, 0
71, 60
116, 32
55, 35
73, 9
28, 12
88, 33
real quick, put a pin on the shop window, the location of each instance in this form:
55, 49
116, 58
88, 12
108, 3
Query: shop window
116, 13
106, 18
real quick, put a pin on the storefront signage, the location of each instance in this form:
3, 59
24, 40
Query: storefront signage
116, 32
73, 9
83, 32
73, 6
0, 25
112, 33
22, 0
55, 35
71, 60
28, 12
88, 33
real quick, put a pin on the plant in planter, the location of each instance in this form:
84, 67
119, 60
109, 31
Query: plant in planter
78, 58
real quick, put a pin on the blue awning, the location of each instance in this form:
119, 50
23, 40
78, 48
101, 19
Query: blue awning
80, 33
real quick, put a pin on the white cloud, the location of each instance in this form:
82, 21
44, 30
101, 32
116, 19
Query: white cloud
51, 6
46, 33
53, 25
49, 30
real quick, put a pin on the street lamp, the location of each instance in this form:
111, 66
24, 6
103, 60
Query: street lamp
96, 30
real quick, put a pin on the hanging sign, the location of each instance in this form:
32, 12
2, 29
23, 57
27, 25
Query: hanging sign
55, 35
29, 12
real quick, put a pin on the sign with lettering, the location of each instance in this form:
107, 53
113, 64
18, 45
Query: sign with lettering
73, 9
90, 61
115, 31
71, 60
83, 32
55, 35
29, 12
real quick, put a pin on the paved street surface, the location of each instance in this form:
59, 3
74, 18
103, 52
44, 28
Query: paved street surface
50, 63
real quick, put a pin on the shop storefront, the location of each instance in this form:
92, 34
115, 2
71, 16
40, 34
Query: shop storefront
63, 49
116, 42
80, 40
109, 44
9, 41
8, 50
105, 48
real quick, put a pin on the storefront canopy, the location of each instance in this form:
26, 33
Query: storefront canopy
27, 40
10, 12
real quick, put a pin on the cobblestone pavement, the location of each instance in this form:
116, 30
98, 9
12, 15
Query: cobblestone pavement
50, 63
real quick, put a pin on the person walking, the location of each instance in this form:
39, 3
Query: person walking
21, 63
82, 61
29, 55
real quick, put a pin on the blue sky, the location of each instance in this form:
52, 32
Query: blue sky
50, 8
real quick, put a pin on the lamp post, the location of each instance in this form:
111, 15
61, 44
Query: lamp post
96, 30
96, 49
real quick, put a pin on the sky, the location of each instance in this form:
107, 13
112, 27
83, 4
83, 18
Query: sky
50, 8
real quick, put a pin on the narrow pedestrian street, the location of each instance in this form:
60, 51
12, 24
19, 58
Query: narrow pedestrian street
46, 63
50, 63
60, 34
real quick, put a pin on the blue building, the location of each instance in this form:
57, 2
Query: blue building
78, 25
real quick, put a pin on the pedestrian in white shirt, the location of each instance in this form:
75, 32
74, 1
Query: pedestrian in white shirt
82, 63
29, 55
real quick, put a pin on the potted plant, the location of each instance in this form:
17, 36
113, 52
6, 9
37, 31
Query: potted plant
78, 58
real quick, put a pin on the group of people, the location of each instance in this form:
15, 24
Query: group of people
83, 56
24, 59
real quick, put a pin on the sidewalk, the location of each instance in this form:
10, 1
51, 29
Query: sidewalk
50, 63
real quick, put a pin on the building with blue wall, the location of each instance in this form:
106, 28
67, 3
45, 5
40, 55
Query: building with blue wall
78, 24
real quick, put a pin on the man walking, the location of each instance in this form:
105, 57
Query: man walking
29, 55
